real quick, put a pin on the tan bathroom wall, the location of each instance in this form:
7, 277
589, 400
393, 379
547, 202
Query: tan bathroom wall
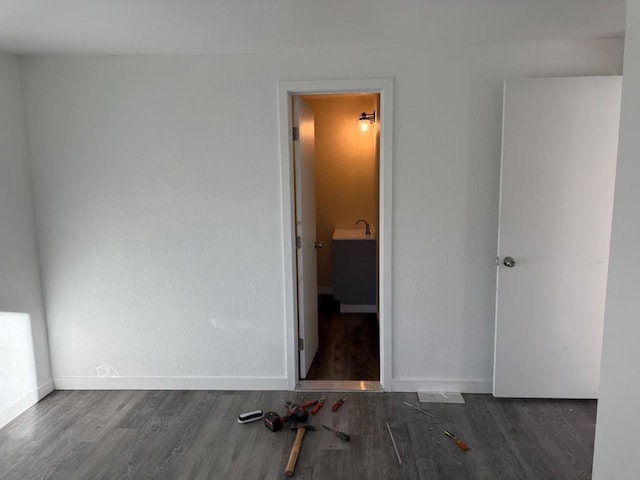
346, 171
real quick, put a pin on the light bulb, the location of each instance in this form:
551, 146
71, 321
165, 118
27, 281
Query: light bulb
364, 125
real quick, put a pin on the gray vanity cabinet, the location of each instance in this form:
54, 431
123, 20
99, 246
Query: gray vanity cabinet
354, 267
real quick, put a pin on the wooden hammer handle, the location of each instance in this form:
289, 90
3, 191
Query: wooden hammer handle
295, 450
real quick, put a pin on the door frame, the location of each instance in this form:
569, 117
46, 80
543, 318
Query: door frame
286, 89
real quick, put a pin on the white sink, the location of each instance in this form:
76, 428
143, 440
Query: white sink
352, 234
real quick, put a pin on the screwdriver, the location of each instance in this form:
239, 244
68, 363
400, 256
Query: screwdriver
341, 435
463, 446
336, 405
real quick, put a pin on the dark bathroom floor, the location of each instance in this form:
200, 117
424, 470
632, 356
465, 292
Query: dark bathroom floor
349, 344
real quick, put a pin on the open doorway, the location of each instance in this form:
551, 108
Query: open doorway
298, 232
307, 273
345, 176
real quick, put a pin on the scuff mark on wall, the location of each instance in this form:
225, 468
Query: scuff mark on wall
105, 370
218, 324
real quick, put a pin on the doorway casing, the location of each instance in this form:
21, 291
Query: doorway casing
286, 89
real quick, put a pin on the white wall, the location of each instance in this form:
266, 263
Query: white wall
615, 455
158, 199
25, 375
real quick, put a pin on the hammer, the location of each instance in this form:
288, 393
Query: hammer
301, 428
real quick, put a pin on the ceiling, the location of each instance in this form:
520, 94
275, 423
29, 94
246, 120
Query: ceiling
252, 26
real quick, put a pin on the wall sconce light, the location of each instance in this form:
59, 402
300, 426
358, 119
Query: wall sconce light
367, 119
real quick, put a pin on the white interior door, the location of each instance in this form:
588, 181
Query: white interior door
560, 138
306, 233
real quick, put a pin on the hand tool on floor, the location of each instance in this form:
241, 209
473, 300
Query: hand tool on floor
301, 429
461, 445
274, 422
336, 405
419, 409
319, 404
308, 404
297, 412
341, 435
393, 440
249, 417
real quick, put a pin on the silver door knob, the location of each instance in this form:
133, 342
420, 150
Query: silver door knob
318, 244
509, 262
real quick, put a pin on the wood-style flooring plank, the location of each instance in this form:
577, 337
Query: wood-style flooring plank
349, 344
195, 435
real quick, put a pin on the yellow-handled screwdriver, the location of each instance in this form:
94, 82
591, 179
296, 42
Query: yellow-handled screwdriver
341, 435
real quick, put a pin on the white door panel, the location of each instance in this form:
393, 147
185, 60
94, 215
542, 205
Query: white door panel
559, 154
306, 231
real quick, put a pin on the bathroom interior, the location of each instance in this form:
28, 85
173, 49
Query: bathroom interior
346, 157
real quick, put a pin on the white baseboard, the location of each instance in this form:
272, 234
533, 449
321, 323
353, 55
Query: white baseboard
218, 383
170, 383
25, 402
358, 308
325, 290
430, 385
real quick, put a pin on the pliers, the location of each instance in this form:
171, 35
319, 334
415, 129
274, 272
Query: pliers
319, 404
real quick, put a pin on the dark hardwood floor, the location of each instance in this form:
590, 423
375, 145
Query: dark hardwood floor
194, 435
349, 344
